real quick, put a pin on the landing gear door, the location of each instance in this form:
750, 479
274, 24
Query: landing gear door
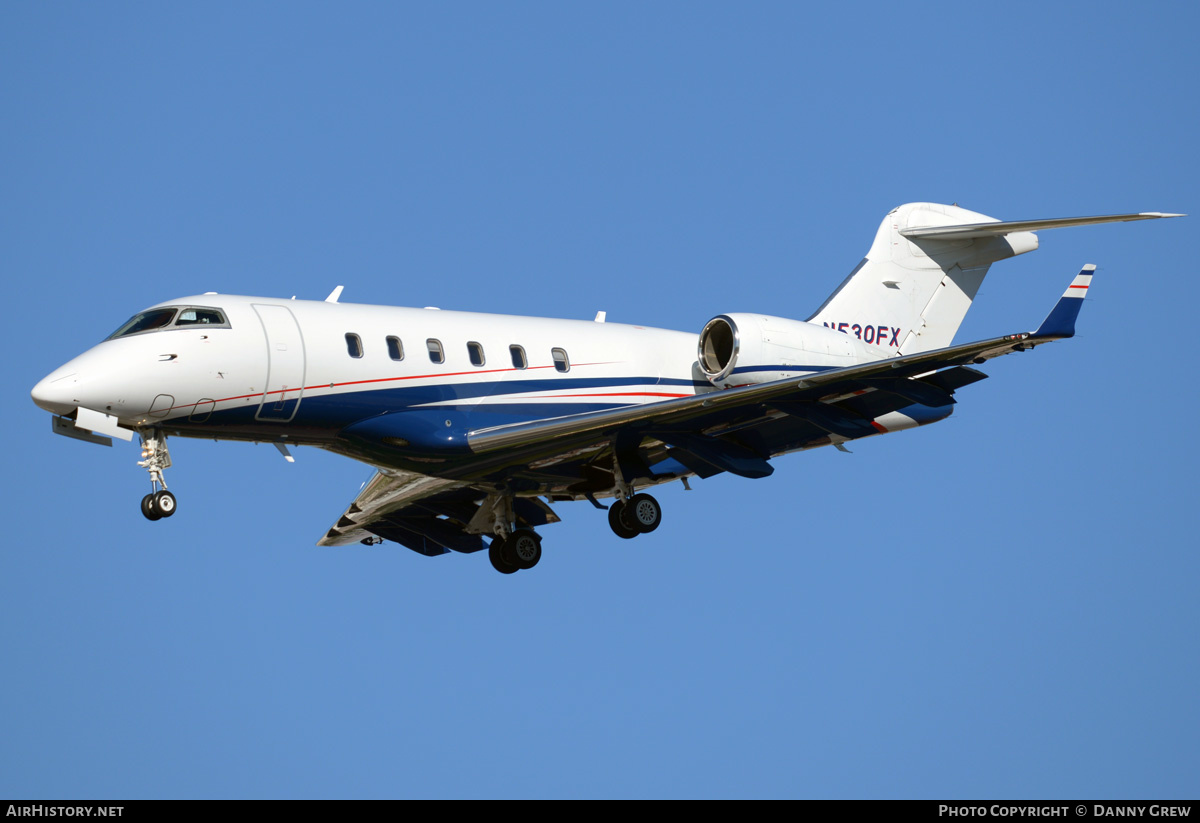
285, 364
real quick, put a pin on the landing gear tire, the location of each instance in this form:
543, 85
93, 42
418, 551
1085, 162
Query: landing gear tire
620, 521
149, 511
644, 513
164, 503
525, 548
501, 560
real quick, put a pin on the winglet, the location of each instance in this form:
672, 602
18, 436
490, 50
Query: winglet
1061, 320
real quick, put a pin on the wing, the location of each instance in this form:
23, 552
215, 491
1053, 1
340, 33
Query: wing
430, 515
384, 500
714, 426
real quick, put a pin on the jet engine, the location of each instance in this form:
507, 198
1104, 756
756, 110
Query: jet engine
738, 349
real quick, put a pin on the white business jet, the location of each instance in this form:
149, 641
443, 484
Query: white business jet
477, 423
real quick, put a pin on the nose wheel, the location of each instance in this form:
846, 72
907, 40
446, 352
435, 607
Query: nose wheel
159, 503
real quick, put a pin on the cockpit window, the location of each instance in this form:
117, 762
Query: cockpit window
200, 317
146, 321
160, 319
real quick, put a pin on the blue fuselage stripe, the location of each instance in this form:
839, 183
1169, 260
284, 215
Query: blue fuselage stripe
335, 410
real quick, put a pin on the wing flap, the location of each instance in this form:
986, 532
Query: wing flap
723, 454
954, 378
828, 418
388, 491
429, 515
434, 536
409, 538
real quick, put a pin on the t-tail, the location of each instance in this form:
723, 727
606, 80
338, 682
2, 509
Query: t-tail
925, 267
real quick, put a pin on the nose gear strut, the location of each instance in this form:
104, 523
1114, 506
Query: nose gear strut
155, 458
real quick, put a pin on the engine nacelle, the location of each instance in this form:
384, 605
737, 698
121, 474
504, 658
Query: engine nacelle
738, 349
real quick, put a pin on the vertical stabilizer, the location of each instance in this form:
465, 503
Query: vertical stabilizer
919, 287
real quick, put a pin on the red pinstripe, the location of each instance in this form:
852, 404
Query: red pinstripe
283, 392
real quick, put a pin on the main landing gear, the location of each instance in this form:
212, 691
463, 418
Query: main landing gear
520, 550
512, 549
640, 514
159, 503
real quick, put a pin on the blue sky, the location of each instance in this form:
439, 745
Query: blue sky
1001, 605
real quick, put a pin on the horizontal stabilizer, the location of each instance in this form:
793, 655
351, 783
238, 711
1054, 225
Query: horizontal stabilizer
970, 230
1061, 320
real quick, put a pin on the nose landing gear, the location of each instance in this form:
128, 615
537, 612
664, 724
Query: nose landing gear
159, 503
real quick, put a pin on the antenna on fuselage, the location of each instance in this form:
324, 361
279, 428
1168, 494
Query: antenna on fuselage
600, 315
334, 295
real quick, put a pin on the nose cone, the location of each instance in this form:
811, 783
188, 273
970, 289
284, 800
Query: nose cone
56, 392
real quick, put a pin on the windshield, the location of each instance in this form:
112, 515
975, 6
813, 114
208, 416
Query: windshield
160, 319
146, 321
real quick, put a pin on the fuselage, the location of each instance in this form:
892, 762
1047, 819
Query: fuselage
309, 369
395, 386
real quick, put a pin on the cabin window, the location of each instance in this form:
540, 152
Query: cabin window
395, 348
436, 355
354, 345
475, 352
518, 357
560, 359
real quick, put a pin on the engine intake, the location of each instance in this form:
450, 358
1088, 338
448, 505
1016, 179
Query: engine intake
718, 349
739, 349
